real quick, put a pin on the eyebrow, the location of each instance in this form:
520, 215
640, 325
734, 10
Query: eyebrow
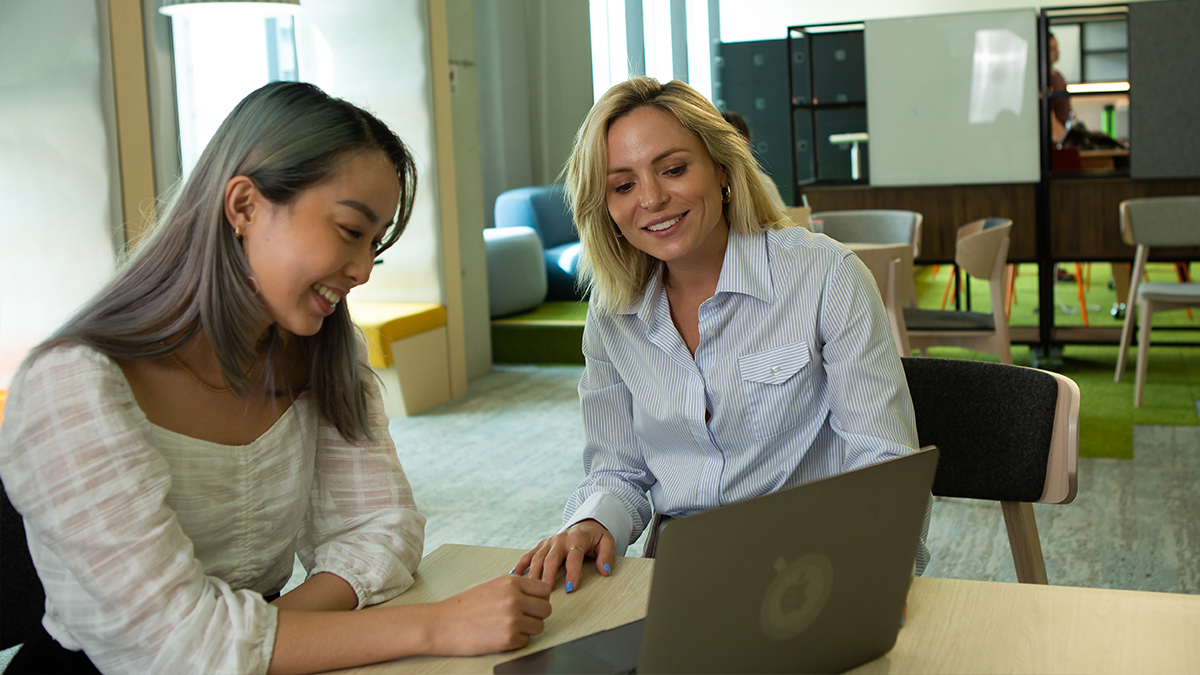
360, 207
656, 160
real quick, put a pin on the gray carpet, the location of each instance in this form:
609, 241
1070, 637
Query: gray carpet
495, 466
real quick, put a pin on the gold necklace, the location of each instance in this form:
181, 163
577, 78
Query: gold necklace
204, 384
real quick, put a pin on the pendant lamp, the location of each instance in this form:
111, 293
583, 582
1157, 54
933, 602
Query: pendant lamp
264, 8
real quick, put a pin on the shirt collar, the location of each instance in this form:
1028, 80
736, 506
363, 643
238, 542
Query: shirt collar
743, 270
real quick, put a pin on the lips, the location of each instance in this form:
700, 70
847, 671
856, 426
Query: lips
327, 298
665, 224
328, 293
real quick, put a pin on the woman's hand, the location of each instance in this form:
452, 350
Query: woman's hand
494, 616
585, 538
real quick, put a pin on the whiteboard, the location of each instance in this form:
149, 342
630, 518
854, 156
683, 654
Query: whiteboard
952, 99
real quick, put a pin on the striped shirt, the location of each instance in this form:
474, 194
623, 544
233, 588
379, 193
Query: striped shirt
795, 369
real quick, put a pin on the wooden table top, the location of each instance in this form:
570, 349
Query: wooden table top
953, 626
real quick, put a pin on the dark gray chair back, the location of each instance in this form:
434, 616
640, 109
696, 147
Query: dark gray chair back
992, 423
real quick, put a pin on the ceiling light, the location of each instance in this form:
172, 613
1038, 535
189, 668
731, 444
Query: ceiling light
260, 8
1094, 87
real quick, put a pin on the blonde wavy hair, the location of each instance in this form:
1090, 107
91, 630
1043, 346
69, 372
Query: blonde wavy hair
615, 272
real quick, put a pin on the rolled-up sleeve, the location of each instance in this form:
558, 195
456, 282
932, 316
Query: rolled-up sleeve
121, 579
363, 524
617, 480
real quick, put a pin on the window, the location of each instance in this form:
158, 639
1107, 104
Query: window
219, 59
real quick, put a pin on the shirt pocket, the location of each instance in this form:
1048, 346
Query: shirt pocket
779, 388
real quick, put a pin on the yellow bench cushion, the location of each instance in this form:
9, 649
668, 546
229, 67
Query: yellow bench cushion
383, 322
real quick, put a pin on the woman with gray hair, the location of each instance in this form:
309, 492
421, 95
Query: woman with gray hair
210, 415
728, 354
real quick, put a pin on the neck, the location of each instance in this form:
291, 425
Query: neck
700, 272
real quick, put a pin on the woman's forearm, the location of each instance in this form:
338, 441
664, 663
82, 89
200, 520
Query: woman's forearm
494, 616
316, 641
324, 592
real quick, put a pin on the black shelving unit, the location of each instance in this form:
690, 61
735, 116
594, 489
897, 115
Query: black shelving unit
826, 99
1047, 261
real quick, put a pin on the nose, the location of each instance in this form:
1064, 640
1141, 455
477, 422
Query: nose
358, 269
654, 197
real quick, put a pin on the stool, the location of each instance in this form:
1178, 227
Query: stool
419, 378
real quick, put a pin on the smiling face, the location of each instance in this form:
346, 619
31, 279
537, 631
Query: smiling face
306, 256
664, 190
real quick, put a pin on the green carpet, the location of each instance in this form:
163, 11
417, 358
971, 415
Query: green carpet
552, 333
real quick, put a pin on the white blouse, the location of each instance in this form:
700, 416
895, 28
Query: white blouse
155, 549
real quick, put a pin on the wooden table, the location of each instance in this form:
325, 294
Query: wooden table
953, 626
599, 604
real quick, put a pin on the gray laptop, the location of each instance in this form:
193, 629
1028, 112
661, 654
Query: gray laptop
811, 579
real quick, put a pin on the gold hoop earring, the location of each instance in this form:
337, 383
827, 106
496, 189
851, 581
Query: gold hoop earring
726, 194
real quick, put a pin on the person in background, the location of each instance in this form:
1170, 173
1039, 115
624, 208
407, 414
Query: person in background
738, 122
1060, 107
728, 354
210, 415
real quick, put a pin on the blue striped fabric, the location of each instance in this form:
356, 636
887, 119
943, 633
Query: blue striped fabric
795, 366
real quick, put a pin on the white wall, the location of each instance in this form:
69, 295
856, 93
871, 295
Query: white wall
746, 20
57, 177
375, 54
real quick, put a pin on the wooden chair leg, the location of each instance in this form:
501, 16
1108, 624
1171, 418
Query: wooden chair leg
1135, 280
1143, 354
1023, 540
1079, 289
1181, 270
951, 281
1012, 280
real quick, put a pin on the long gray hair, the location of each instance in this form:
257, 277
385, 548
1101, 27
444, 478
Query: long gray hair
190, 273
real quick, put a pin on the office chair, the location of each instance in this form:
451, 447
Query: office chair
874, 226
1006, 433
1155, 221
981, 251
891, 266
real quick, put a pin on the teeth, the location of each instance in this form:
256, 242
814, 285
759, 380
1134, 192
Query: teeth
329, 295
664, 225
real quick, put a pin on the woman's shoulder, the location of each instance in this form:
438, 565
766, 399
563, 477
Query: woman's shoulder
66, 362
69, 373
799, 242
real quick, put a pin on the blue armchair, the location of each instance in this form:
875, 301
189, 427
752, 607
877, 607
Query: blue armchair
544, 208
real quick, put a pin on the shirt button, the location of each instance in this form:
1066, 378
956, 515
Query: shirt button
775, 370
708, 333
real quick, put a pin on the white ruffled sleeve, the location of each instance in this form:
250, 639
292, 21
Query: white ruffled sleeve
363, 524
121, 579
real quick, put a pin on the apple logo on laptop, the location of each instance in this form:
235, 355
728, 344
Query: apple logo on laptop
796, 595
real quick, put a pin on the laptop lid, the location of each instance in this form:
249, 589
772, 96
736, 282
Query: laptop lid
808, 579
811, 579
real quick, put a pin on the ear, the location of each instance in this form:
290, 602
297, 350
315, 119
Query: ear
242, 203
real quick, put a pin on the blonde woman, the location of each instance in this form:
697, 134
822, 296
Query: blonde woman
728, 355
210, 414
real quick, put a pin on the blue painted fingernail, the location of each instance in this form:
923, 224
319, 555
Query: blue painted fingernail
902, 622
570, 587
514, 571
607, 568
